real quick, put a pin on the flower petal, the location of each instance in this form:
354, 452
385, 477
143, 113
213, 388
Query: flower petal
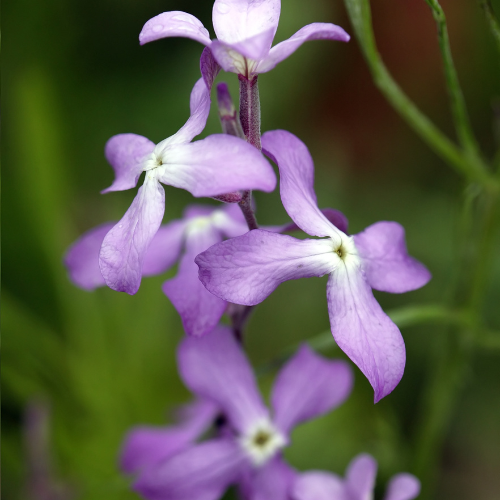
216, 368
307, 387
124, 247
202, 472
200, 108
272, 481
164, 249
229, 59
403, 487
209, 67
199, 309
296, 182
314, 31
363, 331
194, 210
360, 477
125, 153
175, 23
386, 262
148, 446
243, 57
318, 485
82, 258
217, 165
246, 269
238, 20
230, 221
337, 218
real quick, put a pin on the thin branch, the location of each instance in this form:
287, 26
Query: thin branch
493, 23
360, 16
457, 101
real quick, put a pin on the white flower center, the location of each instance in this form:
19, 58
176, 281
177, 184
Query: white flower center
346, 250
198, 224
245, 66
153, 161
262, 442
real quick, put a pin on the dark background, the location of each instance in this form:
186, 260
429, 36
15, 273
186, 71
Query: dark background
102, 362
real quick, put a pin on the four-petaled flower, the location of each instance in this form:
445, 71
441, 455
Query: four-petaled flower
248, 447
357, 485
213, 166
200, 227
245, 30
246, 269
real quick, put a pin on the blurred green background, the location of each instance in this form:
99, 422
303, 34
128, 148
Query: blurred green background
102, 362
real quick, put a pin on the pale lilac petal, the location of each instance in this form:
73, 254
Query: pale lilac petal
246, 269
363, 331
230, 221
315, 31
297, 181
238, 20
403, 487
360, 477
200, 108
216, 368
194, 210
202, 472
124, 247
209, 67
242, 57
228, 58
216, 165
307, 387
387, 265
318, 485
82, 258
273, 481
337, 218
175, 23
199, 310
148, 446
165, 248
126, 153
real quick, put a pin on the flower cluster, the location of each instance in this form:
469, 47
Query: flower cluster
227, 264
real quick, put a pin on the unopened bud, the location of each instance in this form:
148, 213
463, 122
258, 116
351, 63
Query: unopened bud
228, 115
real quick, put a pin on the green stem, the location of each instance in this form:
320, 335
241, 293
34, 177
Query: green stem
360, 16
451, 358
457, 101
489, 340
456, 348
403, 317
493, 23
482, 270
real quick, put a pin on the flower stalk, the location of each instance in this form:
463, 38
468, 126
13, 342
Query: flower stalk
250, 123
470, 167
457, 101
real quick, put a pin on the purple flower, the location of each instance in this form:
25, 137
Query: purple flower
200, 227
200, 310
246, 269
147, 446
213, 166
247, 451
357, 485
245, 30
